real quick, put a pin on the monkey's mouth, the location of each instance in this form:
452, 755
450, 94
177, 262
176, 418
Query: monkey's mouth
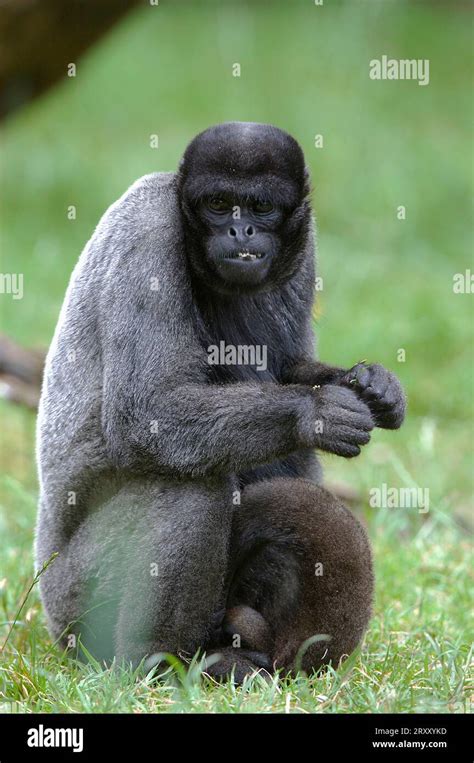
244, 256
244, 269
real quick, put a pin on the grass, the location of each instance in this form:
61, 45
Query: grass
387, 285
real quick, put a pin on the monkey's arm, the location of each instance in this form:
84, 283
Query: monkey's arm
374, 384
313, 373
199, 429
160, 413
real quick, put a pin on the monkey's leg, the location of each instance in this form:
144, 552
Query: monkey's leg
303, 569
177, 565
147, 568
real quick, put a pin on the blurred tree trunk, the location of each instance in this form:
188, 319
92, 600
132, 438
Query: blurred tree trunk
21, 373
39, 38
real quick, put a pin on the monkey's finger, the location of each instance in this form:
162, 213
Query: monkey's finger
389, 411
346, 450
393, 417
353, 435
346, 446
376, 381
351, 451
342, 398
357, 377
352, 419
340, 448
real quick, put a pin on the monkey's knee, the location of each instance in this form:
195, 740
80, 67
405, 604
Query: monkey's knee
244, 627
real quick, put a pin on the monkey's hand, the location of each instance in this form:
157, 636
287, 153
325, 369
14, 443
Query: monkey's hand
343, 422
382, 392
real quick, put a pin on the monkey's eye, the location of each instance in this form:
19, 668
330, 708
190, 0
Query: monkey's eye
262, 207
218, 205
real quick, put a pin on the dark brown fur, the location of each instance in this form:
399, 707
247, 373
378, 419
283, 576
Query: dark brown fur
284, 528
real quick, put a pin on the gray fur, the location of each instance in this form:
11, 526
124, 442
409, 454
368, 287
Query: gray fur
140, 455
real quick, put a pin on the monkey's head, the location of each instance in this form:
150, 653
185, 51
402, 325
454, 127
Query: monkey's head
243, 189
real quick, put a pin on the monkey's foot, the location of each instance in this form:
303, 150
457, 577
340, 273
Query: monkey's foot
238, 663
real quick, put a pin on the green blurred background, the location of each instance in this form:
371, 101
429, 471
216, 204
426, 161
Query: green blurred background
388, 283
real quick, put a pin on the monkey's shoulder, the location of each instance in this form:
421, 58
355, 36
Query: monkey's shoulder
150, 201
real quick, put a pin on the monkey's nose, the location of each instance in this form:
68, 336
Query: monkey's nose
241, 233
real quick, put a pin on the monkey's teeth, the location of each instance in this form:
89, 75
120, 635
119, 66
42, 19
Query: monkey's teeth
249, 256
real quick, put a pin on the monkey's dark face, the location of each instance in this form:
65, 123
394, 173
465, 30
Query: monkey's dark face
242, 237
243, 189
